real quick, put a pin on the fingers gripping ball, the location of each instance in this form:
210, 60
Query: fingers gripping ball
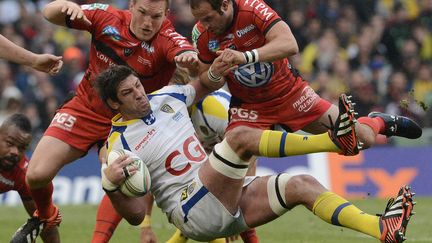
137, 184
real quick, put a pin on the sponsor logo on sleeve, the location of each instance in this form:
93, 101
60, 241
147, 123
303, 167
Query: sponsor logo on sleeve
95, 6
261, 8
112, 32
213, 45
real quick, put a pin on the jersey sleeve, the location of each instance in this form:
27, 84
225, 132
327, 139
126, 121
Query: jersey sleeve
264, 17
95, 13
173, 43
200, 42
185, 93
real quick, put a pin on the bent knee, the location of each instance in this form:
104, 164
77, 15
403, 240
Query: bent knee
37, 177
302, 180
301, 184
244, 140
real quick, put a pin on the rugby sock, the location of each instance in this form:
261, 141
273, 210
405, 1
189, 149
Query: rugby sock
281, 144
177, 237
376, 123
337, 211
107, 220
43, 200
249, 236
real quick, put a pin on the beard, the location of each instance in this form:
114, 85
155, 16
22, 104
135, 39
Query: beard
9, 162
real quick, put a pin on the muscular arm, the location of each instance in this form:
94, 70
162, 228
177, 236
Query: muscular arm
43, 62
14, 53
133, 209
56, 12
280, 43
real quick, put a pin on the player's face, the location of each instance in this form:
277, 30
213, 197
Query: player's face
13, 144
212, 19
147, 17
133, 99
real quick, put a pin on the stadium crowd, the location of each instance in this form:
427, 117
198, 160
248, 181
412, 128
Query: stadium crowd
378, 51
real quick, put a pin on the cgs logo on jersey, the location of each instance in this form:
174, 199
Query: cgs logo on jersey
112, 32
254, 74
213, 45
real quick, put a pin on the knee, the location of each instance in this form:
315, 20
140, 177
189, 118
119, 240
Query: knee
37, 177
240, 141
300, 185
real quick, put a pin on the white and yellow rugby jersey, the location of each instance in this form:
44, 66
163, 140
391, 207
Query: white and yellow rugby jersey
165, 140
210, 118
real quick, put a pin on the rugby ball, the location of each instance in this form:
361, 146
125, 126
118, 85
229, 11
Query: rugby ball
137, 184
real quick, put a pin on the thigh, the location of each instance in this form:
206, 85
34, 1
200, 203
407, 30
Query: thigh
256, 212
50, 155
79, 126
320, 125
197, 205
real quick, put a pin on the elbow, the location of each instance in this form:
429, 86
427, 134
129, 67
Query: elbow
134, 219
292, 49
47, 13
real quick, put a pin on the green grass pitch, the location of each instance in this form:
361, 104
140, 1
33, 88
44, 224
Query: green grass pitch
297, 226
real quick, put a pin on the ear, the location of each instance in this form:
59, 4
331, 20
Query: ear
113, 104
131, 4
224, 5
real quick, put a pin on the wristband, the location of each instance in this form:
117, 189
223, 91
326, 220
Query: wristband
146, 222
212, 77
251, 56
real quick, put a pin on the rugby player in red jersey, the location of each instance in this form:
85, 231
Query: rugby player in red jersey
15, 137
246, 44
141, 38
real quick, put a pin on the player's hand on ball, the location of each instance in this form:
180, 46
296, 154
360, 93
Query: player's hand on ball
119, 169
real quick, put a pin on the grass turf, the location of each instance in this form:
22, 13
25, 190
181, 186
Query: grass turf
297, 226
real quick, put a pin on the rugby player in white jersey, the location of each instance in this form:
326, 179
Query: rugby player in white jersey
209, 197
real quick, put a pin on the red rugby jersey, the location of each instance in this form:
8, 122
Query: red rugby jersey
15, 179
251, 83
113, 43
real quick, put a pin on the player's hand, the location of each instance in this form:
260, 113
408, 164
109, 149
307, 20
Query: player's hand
220, 68
120, 169
147, 235
188, 60
48, 63
75, 12
231, 57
